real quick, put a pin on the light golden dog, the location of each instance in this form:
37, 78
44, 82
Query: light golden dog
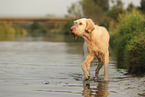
97, 41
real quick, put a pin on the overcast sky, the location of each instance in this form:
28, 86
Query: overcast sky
40, 7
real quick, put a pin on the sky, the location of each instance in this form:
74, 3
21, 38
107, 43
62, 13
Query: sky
40, 8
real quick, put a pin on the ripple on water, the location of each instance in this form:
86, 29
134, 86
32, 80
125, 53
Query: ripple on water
53, 69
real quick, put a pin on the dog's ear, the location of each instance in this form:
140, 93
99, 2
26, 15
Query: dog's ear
90, 25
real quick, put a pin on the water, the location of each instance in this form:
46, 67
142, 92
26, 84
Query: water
51, 67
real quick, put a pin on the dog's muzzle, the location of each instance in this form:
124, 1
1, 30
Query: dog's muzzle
73, 33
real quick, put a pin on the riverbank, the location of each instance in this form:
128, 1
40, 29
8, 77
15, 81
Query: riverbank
10, 31
128, 41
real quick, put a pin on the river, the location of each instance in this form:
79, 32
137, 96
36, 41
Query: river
51, 67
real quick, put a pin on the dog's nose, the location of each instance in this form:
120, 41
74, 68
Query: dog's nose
71, 29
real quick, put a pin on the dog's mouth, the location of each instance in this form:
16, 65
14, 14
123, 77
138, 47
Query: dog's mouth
73, 34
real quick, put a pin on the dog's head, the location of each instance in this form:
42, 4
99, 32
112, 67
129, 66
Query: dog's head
82, 26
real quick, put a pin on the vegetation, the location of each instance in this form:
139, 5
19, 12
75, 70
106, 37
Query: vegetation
128, 43
94, 9
142, 7
135, 54
10, 31
37, 29
50, 28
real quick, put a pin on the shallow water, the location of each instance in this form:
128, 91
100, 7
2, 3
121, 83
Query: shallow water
52, 68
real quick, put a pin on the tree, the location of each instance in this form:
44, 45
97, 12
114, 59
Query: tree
95, 9
75, 10
130, 7
104, 4
117, 9
142, 8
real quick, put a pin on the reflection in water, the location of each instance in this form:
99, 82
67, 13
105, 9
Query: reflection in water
98, 91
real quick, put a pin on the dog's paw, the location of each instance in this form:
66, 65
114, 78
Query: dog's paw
86, 78
86, 75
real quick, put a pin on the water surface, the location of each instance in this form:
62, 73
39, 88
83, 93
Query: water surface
51, 67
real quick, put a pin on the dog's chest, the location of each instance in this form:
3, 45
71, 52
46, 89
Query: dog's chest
92, 46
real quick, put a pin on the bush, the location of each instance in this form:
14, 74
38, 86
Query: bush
67, 26
135, 54
130, 24
10, 31
128, 40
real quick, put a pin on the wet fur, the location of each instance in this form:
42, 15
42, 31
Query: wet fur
97, 43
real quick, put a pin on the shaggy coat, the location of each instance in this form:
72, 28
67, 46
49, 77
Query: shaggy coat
97, 43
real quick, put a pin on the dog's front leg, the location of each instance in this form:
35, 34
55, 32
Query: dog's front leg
86, 65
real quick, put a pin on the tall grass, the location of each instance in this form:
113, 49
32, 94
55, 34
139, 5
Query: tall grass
130, 25
10, 31
135, 55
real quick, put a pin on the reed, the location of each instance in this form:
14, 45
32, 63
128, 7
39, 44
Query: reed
10, 31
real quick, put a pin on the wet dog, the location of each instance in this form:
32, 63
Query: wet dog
97, 43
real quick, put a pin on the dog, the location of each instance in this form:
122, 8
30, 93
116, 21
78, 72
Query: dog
97, 41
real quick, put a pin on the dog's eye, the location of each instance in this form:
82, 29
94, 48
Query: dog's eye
80, 23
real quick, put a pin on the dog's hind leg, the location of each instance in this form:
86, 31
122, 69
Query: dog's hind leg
100, 57
106, 75
98, 69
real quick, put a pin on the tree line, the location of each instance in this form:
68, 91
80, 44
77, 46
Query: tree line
101, 11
